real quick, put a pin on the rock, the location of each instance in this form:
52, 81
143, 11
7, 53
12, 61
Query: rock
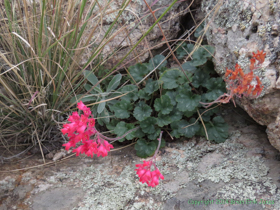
138, 20
238, 28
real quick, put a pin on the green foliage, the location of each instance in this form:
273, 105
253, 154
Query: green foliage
217, 129
184, 49
46, 72
142, 111
165, 100
145, 148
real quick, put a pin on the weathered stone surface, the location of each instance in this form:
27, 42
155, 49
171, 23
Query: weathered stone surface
245, 167
133, 23
238, 28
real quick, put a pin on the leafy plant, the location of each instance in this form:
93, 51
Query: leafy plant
42, 46
165, 100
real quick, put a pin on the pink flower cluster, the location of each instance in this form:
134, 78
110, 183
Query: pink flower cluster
80, 129
146, 175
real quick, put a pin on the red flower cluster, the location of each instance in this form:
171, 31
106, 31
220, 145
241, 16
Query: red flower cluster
146, 175
81, 129
242, 84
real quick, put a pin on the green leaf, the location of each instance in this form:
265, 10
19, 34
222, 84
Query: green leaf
179, 128
189, 113
175, 129
208, 114
148, 125
163, 104
145, 149
151, 86
112, 124
199, 31
169, 78
175, 115
101, 106
199, 57
95, 90
217, 129
187, 102
155, 61
213, 94
186, 77
114, 83
92, 79
121, 128
154, 135
142, 111
138, 71
200, 78
215, 83
105, 116
139, 133
121, 109
188, 67
84, 99
183, 89
191, 130
216, 88
132, 93
172, 96
184, 50
143, 95
163, 120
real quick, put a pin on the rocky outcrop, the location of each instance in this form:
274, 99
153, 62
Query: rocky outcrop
238, 28
133, 24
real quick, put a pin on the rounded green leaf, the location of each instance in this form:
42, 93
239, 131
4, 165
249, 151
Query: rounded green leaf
191, 130
184, 50
169, 78
172, 96
132, 93
142, 111
138, 71
188, 67
148, 125
187, 102
163, 104
155, 61
163, 120
143, 95
200, 78
155, 135
145, 149
121, 128
121, 109
199, 57
151, 86
217, 129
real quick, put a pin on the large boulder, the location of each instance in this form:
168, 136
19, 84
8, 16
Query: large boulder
238, 28
132, 24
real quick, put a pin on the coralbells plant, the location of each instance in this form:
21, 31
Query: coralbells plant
81, 130
42, 43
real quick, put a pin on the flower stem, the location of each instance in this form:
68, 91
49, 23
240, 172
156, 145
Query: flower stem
159, 143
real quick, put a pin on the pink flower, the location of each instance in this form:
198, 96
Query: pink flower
74, 117
81, 106
146, 175
107, 145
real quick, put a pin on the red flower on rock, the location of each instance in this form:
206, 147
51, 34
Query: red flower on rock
146, 175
